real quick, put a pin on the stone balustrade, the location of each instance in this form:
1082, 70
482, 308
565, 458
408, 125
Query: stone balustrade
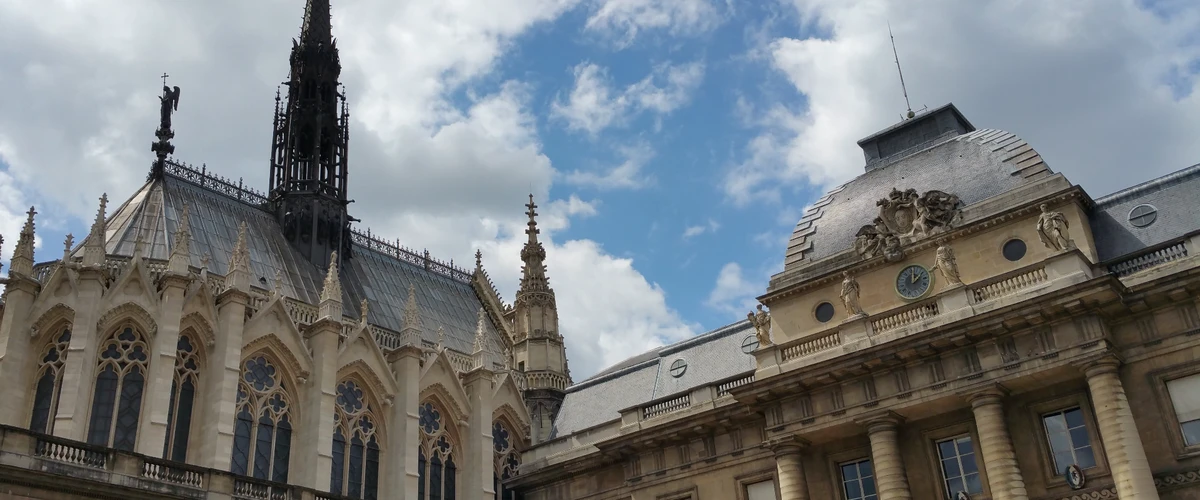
668, 406
908, 316
1008, 284
95, 471
1147, 260
812, 346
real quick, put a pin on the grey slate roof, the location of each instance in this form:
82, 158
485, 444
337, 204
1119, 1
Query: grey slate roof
975, 166
215, 216
1175, 196
710, 357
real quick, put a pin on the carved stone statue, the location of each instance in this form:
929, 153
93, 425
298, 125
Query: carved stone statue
946, 263
1052, 229
762, 325
169, 102
905, 217
850, 295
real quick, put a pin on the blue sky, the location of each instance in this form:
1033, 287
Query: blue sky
671, 144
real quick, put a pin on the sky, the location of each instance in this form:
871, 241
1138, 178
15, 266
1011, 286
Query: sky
671, 144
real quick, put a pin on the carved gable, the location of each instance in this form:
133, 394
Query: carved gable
273, 326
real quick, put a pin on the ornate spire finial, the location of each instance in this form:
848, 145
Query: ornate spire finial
532, 213
333, 285
441, 337
93, 247
168, 103
277, 291
478, 260
412, 316
364, 307
67, 244
317, 26
238, 276
22, 259
481, 331
181, 251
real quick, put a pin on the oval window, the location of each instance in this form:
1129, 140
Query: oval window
824, 312
749, 344
1143, 215
678, 367
1014, 249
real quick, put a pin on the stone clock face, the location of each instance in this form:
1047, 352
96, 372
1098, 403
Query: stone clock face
913, 281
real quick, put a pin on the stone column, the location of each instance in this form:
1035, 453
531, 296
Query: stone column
152, 433
79, 371
479, 457
17, 354
404, 424
890, 479
217, 401
996, 447
312, 447
1122, 444
789, 467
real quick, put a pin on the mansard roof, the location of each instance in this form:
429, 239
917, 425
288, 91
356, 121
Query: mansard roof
710, 357
1173, 199
377, 271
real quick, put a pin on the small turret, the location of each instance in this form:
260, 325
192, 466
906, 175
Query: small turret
22, 259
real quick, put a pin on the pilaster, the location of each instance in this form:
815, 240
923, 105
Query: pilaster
890, 476
152, 431
16, 352
218, 400
404, 424
995, 445
80, 368
1118, 431
312, 450
480, 464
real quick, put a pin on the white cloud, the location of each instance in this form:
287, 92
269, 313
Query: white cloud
733, 292
692, 231
438, 174
1094, 86
593, 105
627, 175
622, 20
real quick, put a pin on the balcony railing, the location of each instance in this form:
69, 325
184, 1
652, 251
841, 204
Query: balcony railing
1142, 262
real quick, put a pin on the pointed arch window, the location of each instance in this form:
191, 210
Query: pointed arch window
508, 460
355, 470
117, 401
437, 472
183, 396
49, 383
262, 429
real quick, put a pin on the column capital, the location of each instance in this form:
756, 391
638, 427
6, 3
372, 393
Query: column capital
786, 445
1107, 362
885, 420
991, 394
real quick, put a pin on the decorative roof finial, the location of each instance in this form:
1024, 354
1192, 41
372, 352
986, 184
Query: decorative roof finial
238, 276
168, 103
363, 308
93, 247
480, 331
181, 251
22, 259
67, 244
478, 260
278, 290
412, 316
333, 285
441, 337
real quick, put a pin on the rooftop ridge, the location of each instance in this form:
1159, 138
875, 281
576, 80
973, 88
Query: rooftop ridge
1148, 186
405, 254
213, 182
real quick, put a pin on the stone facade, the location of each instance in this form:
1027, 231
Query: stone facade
1051, 368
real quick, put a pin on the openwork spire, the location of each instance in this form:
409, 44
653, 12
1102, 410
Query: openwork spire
22, 259
239, 262
317, 27
181, 251
533, 273
93, 248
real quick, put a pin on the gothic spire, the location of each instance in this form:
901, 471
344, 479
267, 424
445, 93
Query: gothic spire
331, 293
238, 276
318, 25
181, 251
533, 273
93, 247
22, 259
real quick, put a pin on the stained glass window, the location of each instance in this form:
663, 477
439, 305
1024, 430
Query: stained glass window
117, 400
437, 472
507, 460
49, 383
355, 470
262, 430
182, 398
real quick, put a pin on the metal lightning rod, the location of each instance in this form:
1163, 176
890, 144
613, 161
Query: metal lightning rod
901, 72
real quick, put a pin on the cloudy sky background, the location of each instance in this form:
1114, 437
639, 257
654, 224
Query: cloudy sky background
671, 143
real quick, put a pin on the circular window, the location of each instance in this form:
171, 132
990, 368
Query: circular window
1143, 215
824, 312
678, 367
1014, 249
749, 344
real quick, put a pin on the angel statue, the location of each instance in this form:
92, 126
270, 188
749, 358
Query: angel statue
762, 325
169, 102
850, 295
1052, 229
946, 263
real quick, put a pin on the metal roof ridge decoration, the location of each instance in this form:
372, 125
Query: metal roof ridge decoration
405, 254
905, 217
214, 182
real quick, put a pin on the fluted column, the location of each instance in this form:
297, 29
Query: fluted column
996, 447
789, 470
890, 477
1122, 445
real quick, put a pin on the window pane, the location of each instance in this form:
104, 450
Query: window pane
372, 486
262, 448
764, 490
103, 401
1191, 432
1055, 424
170, 420
183, 422
1074, 417
1185, 397
43, 400
1079, 437
356, 467
241, 443
283, 450
1084, 458
339, 454
451, 479
435, 478
421, 473
129, 410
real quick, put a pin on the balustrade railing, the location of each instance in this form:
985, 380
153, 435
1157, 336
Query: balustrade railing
812, 346
724, 388
172, 472
667, 406
1008, 286
252, 489
906, 317
62, 450
1148, 260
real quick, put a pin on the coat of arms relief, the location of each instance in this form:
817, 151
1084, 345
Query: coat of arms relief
905, 217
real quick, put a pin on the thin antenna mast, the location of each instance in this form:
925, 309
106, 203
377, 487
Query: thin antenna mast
901, 72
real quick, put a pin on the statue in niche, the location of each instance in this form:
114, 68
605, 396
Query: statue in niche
850, 295
904, 217
762, 325
1052, 228
946, 263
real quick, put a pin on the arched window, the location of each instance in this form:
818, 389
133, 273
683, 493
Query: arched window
117, 401
49, 383
437, 474
262, 430
355, 447
507, 461
183, 394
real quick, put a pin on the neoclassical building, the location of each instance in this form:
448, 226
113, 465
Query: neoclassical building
206, 340
957, 322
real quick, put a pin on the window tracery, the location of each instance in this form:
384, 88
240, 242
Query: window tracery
182, 398
437, 473
262, 434
508, 460
117, 400
49, 383
355, 470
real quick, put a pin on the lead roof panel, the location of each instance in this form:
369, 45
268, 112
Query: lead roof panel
1173, 196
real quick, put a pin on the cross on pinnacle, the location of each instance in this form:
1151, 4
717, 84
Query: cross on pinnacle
164, 77
532, 213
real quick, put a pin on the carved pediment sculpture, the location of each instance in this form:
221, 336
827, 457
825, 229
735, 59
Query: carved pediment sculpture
905, 217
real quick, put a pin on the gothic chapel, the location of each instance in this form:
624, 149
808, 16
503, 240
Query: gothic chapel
206, 340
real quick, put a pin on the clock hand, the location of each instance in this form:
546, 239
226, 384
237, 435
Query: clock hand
915, 278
